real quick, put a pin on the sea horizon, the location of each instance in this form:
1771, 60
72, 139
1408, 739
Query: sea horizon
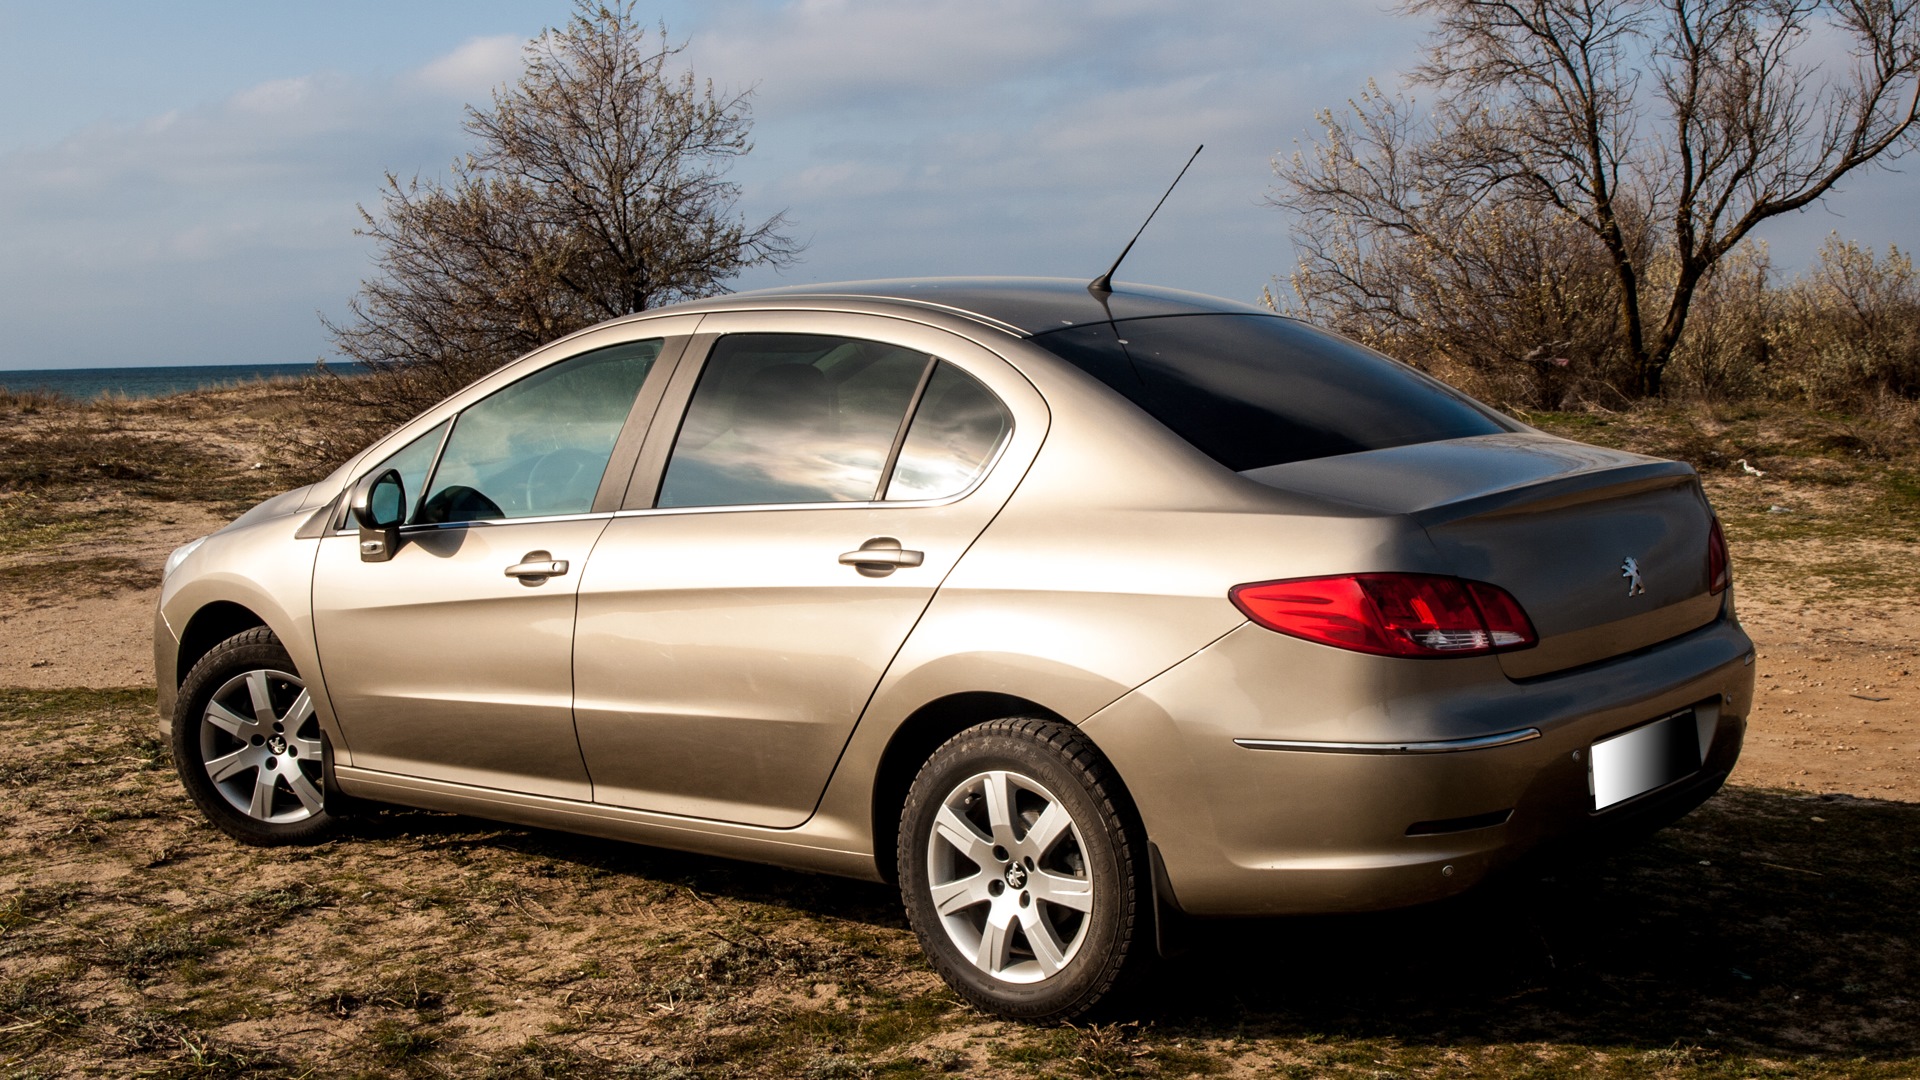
160, 380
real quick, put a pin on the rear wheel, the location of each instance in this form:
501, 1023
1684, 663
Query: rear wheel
1022, 870
248, 746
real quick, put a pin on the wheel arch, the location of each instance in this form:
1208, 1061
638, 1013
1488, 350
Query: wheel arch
915, 740
209, 626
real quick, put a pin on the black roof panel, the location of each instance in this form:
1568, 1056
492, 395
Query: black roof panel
1034, 305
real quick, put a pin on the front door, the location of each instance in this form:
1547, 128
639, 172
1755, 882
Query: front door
453, 660
731, 632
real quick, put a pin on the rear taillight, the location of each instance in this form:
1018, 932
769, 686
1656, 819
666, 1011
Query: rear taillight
1391, 614
1719, 568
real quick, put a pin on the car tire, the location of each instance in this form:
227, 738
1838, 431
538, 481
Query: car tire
248, 746
1023, 869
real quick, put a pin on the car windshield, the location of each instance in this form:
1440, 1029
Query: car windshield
1251, 390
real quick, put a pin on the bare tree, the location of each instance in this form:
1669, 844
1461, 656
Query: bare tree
598, 188
1665, 130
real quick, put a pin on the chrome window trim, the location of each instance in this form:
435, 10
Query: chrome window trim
435, 526
1438, 746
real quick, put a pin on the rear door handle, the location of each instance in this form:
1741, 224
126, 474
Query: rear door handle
536, 567
881, 556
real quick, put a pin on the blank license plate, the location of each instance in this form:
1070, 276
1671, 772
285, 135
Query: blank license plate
1648, 757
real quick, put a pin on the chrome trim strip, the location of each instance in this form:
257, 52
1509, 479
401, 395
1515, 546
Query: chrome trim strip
419, 528
1443, 746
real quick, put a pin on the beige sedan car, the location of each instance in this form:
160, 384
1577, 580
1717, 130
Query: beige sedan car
1066, 610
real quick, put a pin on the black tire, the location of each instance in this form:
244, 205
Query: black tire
1031, 884
243, 709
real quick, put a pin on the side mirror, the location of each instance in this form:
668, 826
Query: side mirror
379, 506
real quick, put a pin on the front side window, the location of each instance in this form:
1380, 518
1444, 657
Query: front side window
413, 460
791, 418
538, 447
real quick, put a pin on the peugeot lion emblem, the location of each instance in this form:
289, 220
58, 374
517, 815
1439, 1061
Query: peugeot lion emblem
1630, 569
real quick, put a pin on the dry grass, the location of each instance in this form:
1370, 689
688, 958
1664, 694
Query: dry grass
1768, 935
1837, 510
1763, 936
79, 482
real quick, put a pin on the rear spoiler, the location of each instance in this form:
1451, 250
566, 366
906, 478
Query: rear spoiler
1482, 476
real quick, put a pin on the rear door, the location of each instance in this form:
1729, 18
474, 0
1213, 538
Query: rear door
780, 543
451, 661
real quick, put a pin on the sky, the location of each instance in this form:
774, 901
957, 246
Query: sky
179, 182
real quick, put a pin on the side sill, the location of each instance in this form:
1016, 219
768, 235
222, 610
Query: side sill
780, 848
1442, 746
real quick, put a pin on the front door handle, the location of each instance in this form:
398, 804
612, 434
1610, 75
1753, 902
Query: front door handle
535, 567
881, 556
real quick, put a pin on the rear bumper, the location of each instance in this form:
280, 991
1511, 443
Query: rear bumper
1445, 786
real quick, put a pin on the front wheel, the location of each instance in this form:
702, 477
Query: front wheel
248, 746
1023, 871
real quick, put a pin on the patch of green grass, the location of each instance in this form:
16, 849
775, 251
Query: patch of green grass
160, 944
47, 580
92, 451
1123, 1049
34, 1010
32, 521
45, 707
398, 1041
272, 907
1759, 937
206, 1057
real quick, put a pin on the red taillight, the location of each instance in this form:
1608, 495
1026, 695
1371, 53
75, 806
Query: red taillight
1391, 614
1719, 568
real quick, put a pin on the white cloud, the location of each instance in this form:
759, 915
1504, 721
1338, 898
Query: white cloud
1026, 137
279, 97
234, 219
942, 136
473, 70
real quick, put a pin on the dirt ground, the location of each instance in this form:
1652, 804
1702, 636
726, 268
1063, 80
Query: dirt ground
1770, 933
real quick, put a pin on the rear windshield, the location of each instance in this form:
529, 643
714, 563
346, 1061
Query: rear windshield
1256, 390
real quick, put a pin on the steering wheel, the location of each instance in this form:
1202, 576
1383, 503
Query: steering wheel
552, 479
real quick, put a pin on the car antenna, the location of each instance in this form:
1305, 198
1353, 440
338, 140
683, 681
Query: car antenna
1104, 283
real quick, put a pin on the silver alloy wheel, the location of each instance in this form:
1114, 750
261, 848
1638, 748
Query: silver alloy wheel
1007, 868
260, 744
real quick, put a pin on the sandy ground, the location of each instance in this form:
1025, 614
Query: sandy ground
136, 941
1835, 707
96, 641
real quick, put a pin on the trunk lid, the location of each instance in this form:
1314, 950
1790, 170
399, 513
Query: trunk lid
1553, 522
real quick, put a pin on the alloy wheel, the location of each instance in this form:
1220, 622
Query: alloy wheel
260, 745
1007, 869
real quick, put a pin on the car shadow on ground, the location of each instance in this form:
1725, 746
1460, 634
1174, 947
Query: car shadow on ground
1765, 922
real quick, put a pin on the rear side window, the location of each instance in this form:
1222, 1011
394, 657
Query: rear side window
1251, 391
955, 432
791, 418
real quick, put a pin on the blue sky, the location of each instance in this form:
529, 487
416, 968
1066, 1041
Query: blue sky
178, 181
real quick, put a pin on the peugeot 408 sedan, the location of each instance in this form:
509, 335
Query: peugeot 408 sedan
1063, 609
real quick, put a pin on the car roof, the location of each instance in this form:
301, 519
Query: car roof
1027, 305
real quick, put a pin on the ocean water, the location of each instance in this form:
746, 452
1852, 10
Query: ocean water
85, 384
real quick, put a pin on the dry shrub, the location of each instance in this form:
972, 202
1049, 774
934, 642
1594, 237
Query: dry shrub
597, 187
1507, 302
1848, 331
1518, 309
